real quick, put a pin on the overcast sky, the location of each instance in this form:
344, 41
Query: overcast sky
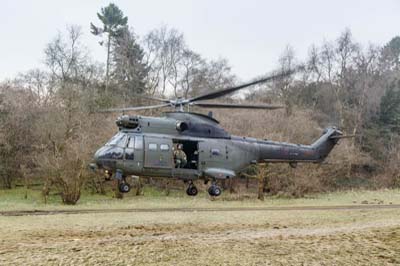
251, 34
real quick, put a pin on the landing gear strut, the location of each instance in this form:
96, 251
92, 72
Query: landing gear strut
124, 186
191, 190
214, 190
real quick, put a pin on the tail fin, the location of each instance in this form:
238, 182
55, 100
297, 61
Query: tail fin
326, 142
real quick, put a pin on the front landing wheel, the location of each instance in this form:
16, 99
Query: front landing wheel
124, 188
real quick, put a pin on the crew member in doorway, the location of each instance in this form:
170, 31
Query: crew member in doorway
180, 156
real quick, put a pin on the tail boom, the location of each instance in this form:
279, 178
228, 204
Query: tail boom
292, 153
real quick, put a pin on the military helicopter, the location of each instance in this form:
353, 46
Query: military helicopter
191, 146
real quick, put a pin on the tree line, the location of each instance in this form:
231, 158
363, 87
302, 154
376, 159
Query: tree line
50, 129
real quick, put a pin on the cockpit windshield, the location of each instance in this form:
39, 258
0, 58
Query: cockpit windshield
118, 140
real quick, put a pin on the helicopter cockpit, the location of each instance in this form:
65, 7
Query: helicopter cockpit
113, 150
121, 146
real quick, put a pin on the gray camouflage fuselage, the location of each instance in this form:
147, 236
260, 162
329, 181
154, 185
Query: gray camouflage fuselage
144, 147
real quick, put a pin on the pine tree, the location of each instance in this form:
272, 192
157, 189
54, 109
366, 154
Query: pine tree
114, 24
130, 69
389, 115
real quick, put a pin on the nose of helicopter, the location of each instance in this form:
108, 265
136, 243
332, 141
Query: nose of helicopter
96, 158
95, 164
107, 156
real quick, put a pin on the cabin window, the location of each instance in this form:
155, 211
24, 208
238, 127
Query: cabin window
152, 146
138, 143
164, 147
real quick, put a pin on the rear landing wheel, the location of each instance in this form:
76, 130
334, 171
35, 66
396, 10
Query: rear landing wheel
192, 190
214, 190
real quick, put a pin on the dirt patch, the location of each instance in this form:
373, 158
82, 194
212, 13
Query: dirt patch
235, 209
374, 242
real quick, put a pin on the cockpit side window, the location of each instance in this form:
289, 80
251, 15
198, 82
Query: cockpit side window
129, 154
118, 140
113, 140
122, 141
131, 142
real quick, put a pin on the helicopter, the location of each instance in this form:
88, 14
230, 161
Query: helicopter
191, 146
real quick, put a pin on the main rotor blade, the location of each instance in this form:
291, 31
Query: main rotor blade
238, 106
152, 98
137, 108
216, 94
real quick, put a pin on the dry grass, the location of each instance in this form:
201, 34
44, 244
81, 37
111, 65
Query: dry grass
14, 200
357, 237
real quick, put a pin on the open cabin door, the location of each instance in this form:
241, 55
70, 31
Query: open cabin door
190, 169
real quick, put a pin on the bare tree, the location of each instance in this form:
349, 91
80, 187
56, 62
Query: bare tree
164, 48
18, 142
176, 68
36, 82
213, 75
65, 57
346, 49
192, 64
314, 64
287, 63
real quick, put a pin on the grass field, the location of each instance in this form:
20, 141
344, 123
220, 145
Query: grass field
14, 200
334, 237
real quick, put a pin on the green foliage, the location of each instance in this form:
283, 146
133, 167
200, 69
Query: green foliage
113, 20
130, 70
114, 24
390, 56
389, 115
